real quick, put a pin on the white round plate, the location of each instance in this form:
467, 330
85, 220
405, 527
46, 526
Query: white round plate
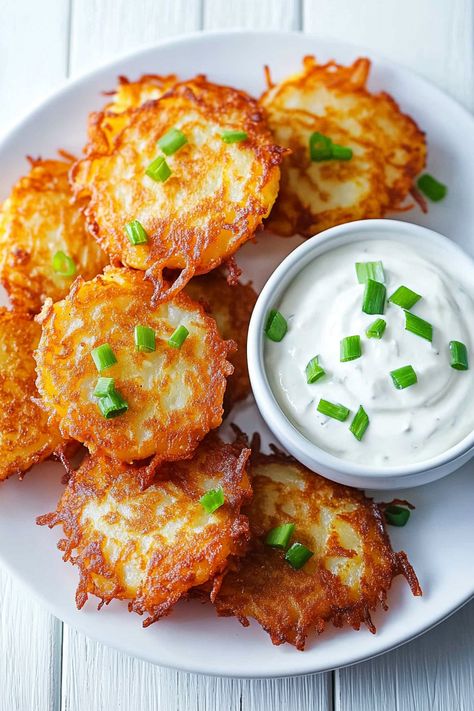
438, 538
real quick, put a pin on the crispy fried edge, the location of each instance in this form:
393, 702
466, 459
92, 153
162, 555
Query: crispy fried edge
270, 156
351, 78
356, 614
23, 298
239, 300
97, 129
48, 451
221, 347
240, 491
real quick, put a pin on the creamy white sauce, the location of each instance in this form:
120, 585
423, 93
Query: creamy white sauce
324, 304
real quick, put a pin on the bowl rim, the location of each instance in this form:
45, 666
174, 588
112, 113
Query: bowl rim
267, 403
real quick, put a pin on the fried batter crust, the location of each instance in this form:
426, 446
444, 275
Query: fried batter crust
25, 436
389, 149
150, 547
174, 395
231, 306
218, 193
37, 220
348, 576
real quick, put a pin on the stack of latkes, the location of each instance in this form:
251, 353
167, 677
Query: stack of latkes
125, 341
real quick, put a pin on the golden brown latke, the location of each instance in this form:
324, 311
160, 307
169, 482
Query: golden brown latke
37, 220
105, 126
150, 547
25, 436
389, 149
174, 395
348, 576
232, 307
216, 197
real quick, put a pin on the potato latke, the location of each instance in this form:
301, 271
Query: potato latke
389, 149
217, 195
349, 574
174, 395
150, 547
37, 220
232, 307
25, 437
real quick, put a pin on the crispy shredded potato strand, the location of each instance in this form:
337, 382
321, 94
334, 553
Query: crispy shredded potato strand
37, 220
348, 576
150, 547
389, 149
231, 306
25, 436
174, 395
104, 126
217, 195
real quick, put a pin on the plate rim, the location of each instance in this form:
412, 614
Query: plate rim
190, 669
14, 129
196, 36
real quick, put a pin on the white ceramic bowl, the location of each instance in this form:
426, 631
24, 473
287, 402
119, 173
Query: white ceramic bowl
340, 470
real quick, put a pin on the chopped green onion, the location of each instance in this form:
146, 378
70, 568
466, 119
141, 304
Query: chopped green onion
418, 326
212, 500
404, 297
172, 141
458, 353
350, 348
396, 515
103, 357
279, 537
145, 339
136, 232
376, 329
234, 136
63, 264
340, 152
374, 297
320, 147
178, 337
104, 386
403, 377
360, 423
276, 326
334, 410
369, 270
314, 371
112, 405
158, 170
432, 188
297, 555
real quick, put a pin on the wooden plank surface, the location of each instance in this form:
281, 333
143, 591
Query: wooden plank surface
96, 678
252, 14
30, 638
30, 651
435, 39
433, 673
33, 51
103, 29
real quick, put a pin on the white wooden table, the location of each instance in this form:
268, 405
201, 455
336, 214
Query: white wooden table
47, 666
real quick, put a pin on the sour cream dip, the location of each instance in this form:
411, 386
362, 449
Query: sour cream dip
323, 305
